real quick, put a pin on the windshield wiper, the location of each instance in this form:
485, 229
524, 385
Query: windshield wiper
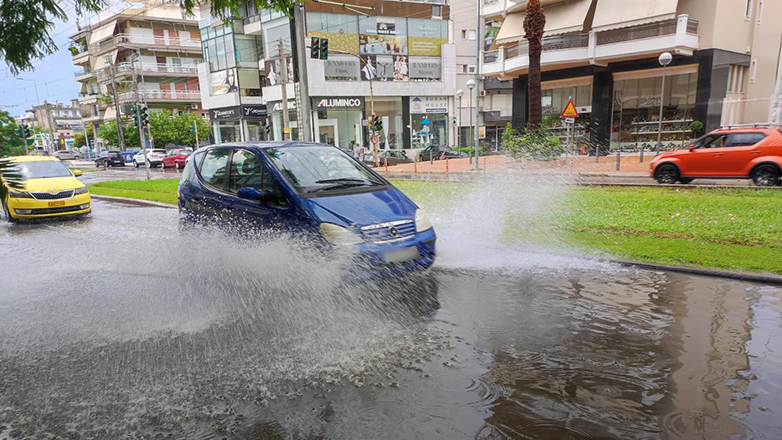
348, 184
342, 179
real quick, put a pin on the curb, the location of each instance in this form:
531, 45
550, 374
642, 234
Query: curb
129, 201
718, 273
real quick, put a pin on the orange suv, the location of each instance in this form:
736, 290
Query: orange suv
732, 153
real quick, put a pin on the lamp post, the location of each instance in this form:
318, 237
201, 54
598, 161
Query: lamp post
664, 59
459, 94
471, 85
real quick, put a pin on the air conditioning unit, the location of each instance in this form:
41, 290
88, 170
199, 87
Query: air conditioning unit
483, 93
194, 106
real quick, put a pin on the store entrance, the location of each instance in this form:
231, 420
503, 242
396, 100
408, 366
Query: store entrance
328, 131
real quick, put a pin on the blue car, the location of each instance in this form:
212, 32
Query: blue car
314, 189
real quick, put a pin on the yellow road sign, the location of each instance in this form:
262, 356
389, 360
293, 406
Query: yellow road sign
569, 111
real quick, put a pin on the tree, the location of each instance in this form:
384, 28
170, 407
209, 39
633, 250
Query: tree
9, 131
534, 22
108, 132
79, 140
168, 129
25, 24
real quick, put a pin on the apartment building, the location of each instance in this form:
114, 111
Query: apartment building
57, 120
603, 54
405, 48
155, 44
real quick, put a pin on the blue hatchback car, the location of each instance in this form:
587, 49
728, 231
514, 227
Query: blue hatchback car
312, 188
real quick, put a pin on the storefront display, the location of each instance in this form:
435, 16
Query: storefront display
389, 110
275, 116
429, 121
238, 123
338, 120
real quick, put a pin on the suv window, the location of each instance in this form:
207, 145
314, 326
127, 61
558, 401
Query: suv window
712, 141
248, 171
213, 168
744, 139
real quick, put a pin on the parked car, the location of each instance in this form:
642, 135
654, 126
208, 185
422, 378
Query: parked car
735, 153
176, 158
68, 155
447, 153
50, 189
127, 156
393, 157
155, 157
312, 190
109, 158
427, 153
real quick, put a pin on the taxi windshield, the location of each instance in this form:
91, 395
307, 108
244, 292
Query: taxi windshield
43, 170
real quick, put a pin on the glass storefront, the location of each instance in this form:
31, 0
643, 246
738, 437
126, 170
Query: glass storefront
429, 129
254, 131
636, 108
227, 131
389, 110
276, 122
340, 127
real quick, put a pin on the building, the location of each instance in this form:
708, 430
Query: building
405, 48
155, 45
603, 54
58, 121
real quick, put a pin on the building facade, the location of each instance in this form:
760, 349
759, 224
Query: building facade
603, 55
405, 50
57, 120
155, 46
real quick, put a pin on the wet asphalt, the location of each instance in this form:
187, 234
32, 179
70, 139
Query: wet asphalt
119, 326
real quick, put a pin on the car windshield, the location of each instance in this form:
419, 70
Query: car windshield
185, 152
316, 168
44, 169
158, 151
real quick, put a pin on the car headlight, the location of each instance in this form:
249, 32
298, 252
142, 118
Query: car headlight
82, 190
20, 195
336, 234
422, 222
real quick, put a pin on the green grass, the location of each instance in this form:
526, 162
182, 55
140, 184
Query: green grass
157, 190
736, 229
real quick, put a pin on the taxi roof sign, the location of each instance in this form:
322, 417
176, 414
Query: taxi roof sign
569, 111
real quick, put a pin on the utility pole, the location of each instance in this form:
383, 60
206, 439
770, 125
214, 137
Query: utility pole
144, 96
120, 132
137, 109
195, 129
50, 119
478, 89
284, 84
299, 37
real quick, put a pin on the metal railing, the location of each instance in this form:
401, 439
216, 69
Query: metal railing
153, 40
82, 73
652, 30
567, 41
692, 26
150, 69
517, 50
163, 95
491, 56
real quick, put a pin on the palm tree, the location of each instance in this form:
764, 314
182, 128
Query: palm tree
534, 22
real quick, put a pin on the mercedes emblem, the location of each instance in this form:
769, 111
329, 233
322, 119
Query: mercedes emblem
393, 231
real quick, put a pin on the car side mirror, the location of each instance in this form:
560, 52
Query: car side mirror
691, 147
77, 173
251, 193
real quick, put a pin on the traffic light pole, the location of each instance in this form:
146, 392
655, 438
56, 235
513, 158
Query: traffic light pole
120, 131
373, 138
300, 74
284, 84
140, 123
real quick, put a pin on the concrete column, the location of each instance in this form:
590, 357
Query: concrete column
712, 88
602, 100
406, 134
519, 103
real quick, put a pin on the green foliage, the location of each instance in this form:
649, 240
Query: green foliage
531, 144
108, 132
696, 126
9, 135
168, 129
79, 140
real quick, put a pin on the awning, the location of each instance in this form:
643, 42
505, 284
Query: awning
110, 114
103, 32
561, 18
614, 14
104, 60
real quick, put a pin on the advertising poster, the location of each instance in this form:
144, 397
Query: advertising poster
401, 70
273, 71
223, 82
426, 68
426, 37
369, 67
383, 44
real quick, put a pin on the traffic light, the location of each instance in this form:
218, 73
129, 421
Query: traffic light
315, 49
20, 130
26, 131
324, 49
144, 115
135, 116
267, 129
192, 129
377, 124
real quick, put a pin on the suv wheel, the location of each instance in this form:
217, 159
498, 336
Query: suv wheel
135, 164
666, 174
766, 175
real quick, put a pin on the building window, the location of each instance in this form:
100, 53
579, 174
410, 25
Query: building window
437, 11
736, 79
748, 10
464, 34
753, 68
472, 35
471, 69
760, 11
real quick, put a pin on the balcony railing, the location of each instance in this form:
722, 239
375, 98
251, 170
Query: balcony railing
151, 69
145, 40
82, 74
652, 30
163, 95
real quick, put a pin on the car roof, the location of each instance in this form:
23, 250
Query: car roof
34, 159
271, 144
764, 130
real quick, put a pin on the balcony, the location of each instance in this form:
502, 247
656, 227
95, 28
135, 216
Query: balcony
152, 69
163, 96
493, 8
88, 98
679, 36
79, 54
147, 42
83, 75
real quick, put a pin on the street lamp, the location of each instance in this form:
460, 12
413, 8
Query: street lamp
459, 94
664, 59
471, 85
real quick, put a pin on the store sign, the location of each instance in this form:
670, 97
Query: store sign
217, 114
428, 68
429, 104
254, 111
356, 102
277, 106
342, 68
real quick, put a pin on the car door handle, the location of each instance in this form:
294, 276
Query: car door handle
754, 152
718, 154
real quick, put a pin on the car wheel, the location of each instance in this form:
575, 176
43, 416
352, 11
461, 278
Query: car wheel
766, 175
666, 174
163, 165
685, 180
177, 166
7, 213
76, 157
135, 164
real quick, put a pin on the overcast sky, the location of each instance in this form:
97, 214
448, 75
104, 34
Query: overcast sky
53, 75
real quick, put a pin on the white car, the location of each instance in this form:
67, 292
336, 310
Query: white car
68, 155
155, 157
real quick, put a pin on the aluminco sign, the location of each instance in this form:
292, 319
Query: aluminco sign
340, 102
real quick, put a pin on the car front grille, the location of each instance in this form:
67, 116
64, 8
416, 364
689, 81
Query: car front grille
57, 210
68, 193
389, 231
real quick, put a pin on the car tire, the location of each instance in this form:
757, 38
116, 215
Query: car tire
7, 213
135, 164
685, 180
162, 165
666, 174
76, 157
766, 175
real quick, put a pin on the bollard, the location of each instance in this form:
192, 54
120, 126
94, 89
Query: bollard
571, 169
104, 164
386, 167
617, 160
446, 168
415, 167
484, 165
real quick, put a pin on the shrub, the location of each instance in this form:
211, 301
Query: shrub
537, 144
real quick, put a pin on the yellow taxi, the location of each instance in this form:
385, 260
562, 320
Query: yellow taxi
50, 190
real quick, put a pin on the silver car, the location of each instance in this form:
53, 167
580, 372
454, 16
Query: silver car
67, 155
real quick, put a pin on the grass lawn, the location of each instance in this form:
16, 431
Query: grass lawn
737, 228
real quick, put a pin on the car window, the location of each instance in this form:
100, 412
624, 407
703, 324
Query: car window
246, 171
213, 167
713, 141
156, 151
744, 139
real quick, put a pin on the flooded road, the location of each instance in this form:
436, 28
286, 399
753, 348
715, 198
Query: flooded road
117, 326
